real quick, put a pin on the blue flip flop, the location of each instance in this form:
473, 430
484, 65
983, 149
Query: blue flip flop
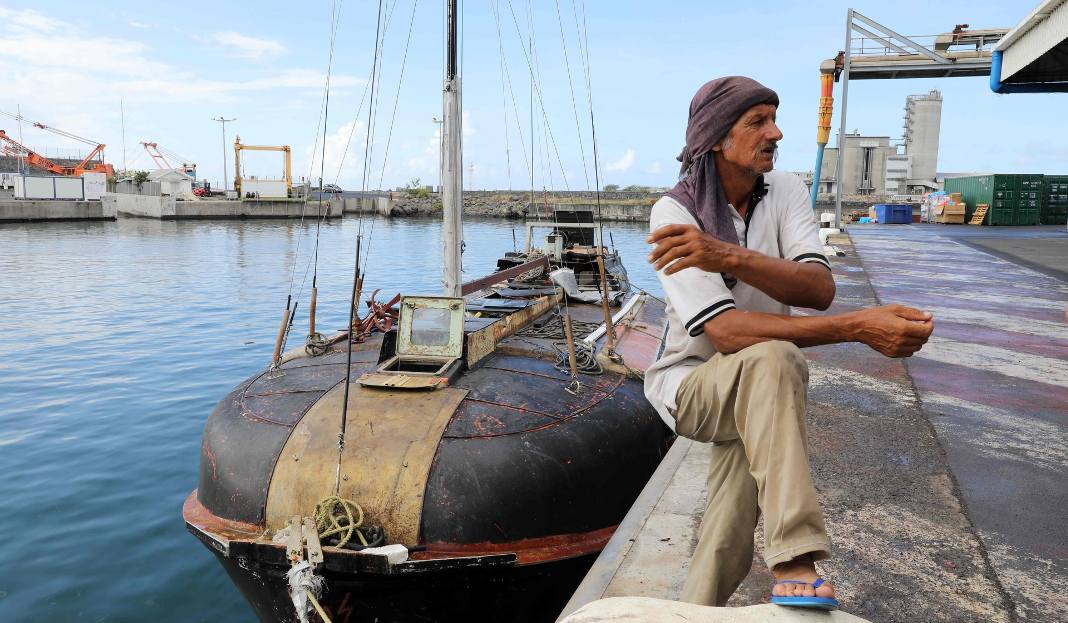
820, 603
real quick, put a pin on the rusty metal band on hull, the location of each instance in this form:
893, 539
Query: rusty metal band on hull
231, 538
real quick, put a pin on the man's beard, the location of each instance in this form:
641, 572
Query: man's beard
755, 171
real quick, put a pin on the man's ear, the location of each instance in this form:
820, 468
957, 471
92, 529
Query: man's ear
718, 146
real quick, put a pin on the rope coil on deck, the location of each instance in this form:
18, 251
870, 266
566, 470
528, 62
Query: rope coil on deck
585, 358
553, 329
341, 520
336, 517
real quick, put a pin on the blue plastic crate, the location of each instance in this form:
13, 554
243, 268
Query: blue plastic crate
893, 213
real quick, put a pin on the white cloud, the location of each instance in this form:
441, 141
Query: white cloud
28, 20
335, 151
624, 163
38, 51
655, 168
137, 24
469, 128
424, 165
34, 40
249, 47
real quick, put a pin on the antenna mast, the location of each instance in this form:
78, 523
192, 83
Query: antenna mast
452, 165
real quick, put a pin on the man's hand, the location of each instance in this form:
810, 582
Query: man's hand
893, 330
692, 248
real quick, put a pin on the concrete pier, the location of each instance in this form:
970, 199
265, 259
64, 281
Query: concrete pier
941, 476
168, 208
29, 210
380, 206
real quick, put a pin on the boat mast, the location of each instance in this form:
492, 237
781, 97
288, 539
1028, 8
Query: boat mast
452, 159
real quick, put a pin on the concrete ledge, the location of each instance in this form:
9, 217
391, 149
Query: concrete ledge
167, 208
253, 208
626, 537
647, 609
382, 206
29, 210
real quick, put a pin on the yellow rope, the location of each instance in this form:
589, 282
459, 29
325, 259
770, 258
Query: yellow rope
337, 517
318, 608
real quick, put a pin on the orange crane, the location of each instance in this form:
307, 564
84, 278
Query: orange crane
92, 163
160, 157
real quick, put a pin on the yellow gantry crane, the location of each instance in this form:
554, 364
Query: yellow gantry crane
238, 148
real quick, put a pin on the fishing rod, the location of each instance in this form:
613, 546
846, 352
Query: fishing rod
348, 368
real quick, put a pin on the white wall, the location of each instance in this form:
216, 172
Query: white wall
49, 187
96, 184
139, 205
177, 188
274, 189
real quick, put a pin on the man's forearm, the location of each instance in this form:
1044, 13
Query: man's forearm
791, 283
734, 330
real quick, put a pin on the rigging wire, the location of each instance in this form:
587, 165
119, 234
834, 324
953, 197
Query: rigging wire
537, 92
389, 137
356, 275
585, 50
548, 170
504, 97
335, 17
372, 117
322, 159
533, 136
396, 97
376, 94
495, 4
571, 86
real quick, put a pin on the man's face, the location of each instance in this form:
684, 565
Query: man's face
752, 140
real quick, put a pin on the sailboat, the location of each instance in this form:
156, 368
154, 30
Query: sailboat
462, 456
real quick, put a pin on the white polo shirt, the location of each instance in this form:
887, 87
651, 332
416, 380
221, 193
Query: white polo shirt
781, 225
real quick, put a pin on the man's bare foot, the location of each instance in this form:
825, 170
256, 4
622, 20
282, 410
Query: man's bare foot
801, 569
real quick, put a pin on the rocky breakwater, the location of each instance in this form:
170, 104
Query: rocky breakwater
475, 204
613, 206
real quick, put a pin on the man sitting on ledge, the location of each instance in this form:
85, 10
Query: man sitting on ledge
736, 247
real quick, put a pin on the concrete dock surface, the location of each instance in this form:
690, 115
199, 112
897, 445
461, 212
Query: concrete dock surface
646, 610
941, 476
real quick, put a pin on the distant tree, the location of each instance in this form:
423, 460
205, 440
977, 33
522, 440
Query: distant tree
611, 188
634, 188
140, 177
416, 189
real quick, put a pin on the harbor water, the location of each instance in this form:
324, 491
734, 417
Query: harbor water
118, 339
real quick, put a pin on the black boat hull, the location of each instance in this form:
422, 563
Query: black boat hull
517, 594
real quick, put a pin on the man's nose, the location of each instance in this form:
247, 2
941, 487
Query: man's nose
774, 133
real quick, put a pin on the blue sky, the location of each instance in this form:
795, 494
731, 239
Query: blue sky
177, 66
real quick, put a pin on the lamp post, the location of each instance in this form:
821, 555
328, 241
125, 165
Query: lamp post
224, 121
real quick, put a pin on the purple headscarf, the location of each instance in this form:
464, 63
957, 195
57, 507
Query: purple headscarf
714, 109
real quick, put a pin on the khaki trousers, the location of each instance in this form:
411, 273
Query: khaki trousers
751, 404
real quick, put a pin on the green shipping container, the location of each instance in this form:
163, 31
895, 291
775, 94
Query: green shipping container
1008, 195
996, 216
1027, 216
1054, 200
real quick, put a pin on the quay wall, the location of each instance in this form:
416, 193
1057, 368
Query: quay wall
490, 204
167, 208
29, 210
619, 206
